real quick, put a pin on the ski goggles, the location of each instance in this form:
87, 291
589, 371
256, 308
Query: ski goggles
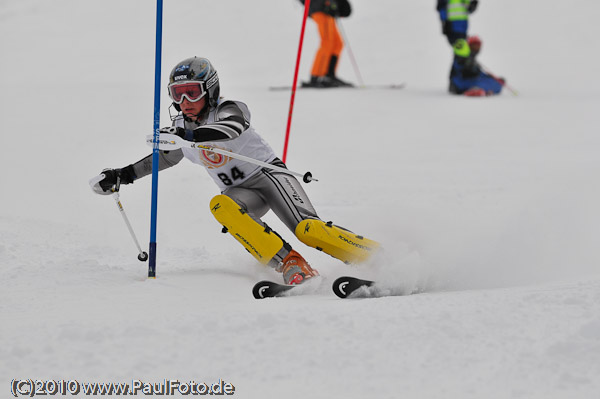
193, 91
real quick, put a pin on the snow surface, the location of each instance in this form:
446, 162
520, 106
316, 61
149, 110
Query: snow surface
489, 205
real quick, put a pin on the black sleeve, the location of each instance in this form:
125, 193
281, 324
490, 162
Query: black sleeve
230, 123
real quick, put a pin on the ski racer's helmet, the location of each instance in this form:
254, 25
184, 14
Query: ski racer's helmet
194, 78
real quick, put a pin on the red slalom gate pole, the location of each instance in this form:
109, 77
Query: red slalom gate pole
289, 121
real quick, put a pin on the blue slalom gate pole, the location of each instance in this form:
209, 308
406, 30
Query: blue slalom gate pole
154, 206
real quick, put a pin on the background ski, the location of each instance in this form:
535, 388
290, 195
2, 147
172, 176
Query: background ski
344, 286
390, 86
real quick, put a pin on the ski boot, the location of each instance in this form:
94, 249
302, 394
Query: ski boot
295, 269
339, 82
330, 75
320, 82
453, 89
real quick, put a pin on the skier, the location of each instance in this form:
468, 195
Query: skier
324, 13
466, 76
247, 191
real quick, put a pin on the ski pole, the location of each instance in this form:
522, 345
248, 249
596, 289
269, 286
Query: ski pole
142, 256
501, 81
167, 142
350, 53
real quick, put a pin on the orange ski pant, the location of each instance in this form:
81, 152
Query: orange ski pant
331, 43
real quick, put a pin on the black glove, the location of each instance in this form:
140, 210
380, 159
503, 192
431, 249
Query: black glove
116, 177
472, 6
179, 131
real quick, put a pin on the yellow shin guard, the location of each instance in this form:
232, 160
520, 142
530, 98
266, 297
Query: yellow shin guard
261, 242
335, 241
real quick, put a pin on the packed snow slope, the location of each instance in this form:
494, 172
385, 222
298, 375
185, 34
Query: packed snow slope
489, 205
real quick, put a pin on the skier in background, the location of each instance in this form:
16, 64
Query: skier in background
324, 13
466, 75
247, 191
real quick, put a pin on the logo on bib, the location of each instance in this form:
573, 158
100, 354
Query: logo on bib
213, 160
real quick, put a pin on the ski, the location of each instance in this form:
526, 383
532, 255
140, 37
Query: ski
346, 285
391, 86
269, 289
